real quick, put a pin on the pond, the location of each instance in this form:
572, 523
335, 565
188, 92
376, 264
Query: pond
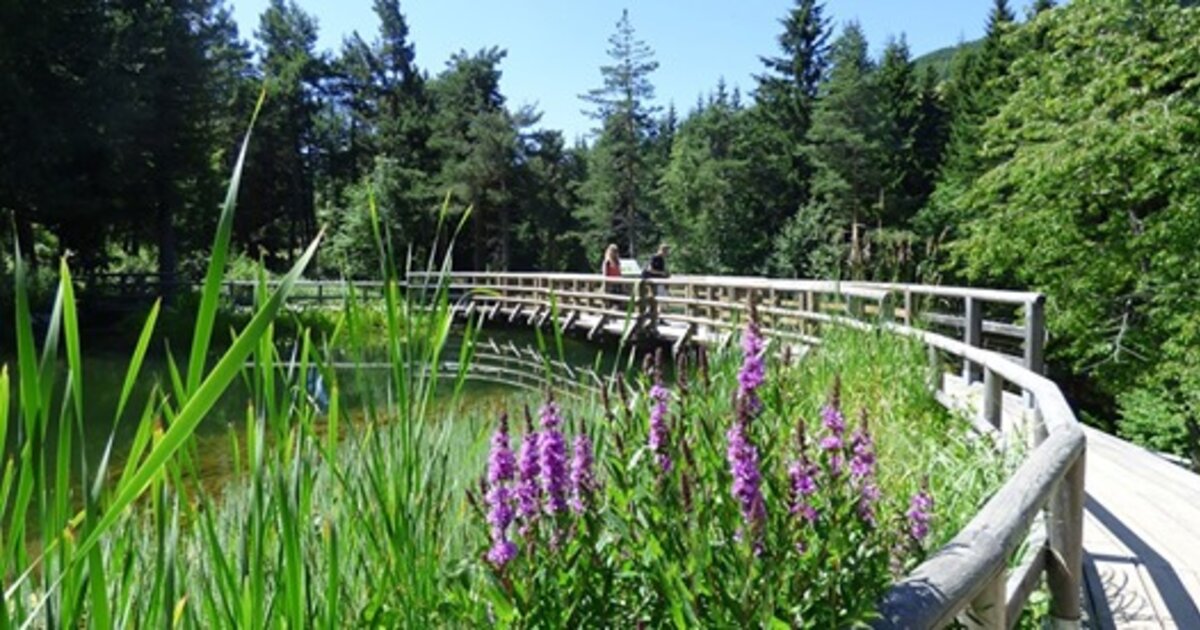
104, 374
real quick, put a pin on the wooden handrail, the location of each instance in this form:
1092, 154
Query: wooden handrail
970, 574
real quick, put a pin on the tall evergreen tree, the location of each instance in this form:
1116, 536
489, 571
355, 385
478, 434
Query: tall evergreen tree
278, 213
848, 182
478, 140
782, 167
904, 183
978, 86
705, 191
617, 206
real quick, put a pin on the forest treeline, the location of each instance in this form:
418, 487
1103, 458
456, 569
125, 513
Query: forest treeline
1059, 153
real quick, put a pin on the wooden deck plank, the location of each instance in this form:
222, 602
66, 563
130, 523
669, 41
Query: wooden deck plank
1142, 532
1141, 528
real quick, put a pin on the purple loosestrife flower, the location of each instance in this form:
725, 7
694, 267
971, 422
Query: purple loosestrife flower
501, 470
659, 435
919, 513
862, 463
754, 369
743, 465
502, 465
553, 459
835, 428
529, 493
862, 470
803, 476
583, 480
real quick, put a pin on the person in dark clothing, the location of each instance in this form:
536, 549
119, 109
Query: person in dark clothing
657, 269
658, 263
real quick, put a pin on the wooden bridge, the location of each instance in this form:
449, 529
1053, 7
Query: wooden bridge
1121, 550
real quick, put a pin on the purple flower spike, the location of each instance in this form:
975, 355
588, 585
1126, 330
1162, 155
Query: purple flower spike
553, 460
502, 553
919, 513
659, 435
831, 417
803, 476
583, 480
743, 464
753, 372
501, 470
502, 464
862, 464
529, 492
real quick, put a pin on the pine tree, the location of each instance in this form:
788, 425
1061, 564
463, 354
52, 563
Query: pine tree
845, 144
785, 100
278, 213
477, 138
899, 108
619, 179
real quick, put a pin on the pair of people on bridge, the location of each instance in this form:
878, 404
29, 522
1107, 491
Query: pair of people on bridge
657, 267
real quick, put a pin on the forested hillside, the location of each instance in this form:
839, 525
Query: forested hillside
1059, 153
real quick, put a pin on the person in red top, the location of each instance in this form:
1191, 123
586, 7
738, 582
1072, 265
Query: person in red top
612, 262
612, 268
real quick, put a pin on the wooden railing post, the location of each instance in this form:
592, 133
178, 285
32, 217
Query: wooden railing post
935, 370
908, 308
1065, 567
993, 398
972, 336
1035, 338
989, 607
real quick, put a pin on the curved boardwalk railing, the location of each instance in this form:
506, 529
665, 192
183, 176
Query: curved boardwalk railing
995, 339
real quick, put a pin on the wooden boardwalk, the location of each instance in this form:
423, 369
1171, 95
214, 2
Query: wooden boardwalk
1141, 538
1141, 528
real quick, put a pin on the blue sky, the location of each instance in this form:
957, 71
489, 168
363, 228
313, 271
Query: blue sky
555, 47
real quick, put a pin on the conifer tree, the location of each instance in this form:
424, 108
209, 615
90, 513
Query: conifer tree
785, 99
848, 181
618, 189
706, 192
278, 212
904, 187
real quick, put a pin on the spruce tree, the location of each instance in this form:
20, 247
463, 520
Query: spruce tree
785, 99
899, 108
845, 143
618, 189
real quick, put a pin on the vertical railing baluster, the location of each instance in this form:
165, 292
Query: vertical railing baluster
1035, 338
972, 336
993, 398
1065, 561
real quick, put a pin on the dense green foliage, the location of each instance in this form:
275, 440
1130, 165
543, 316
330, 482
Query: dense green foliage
1054, 154
1093, 196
